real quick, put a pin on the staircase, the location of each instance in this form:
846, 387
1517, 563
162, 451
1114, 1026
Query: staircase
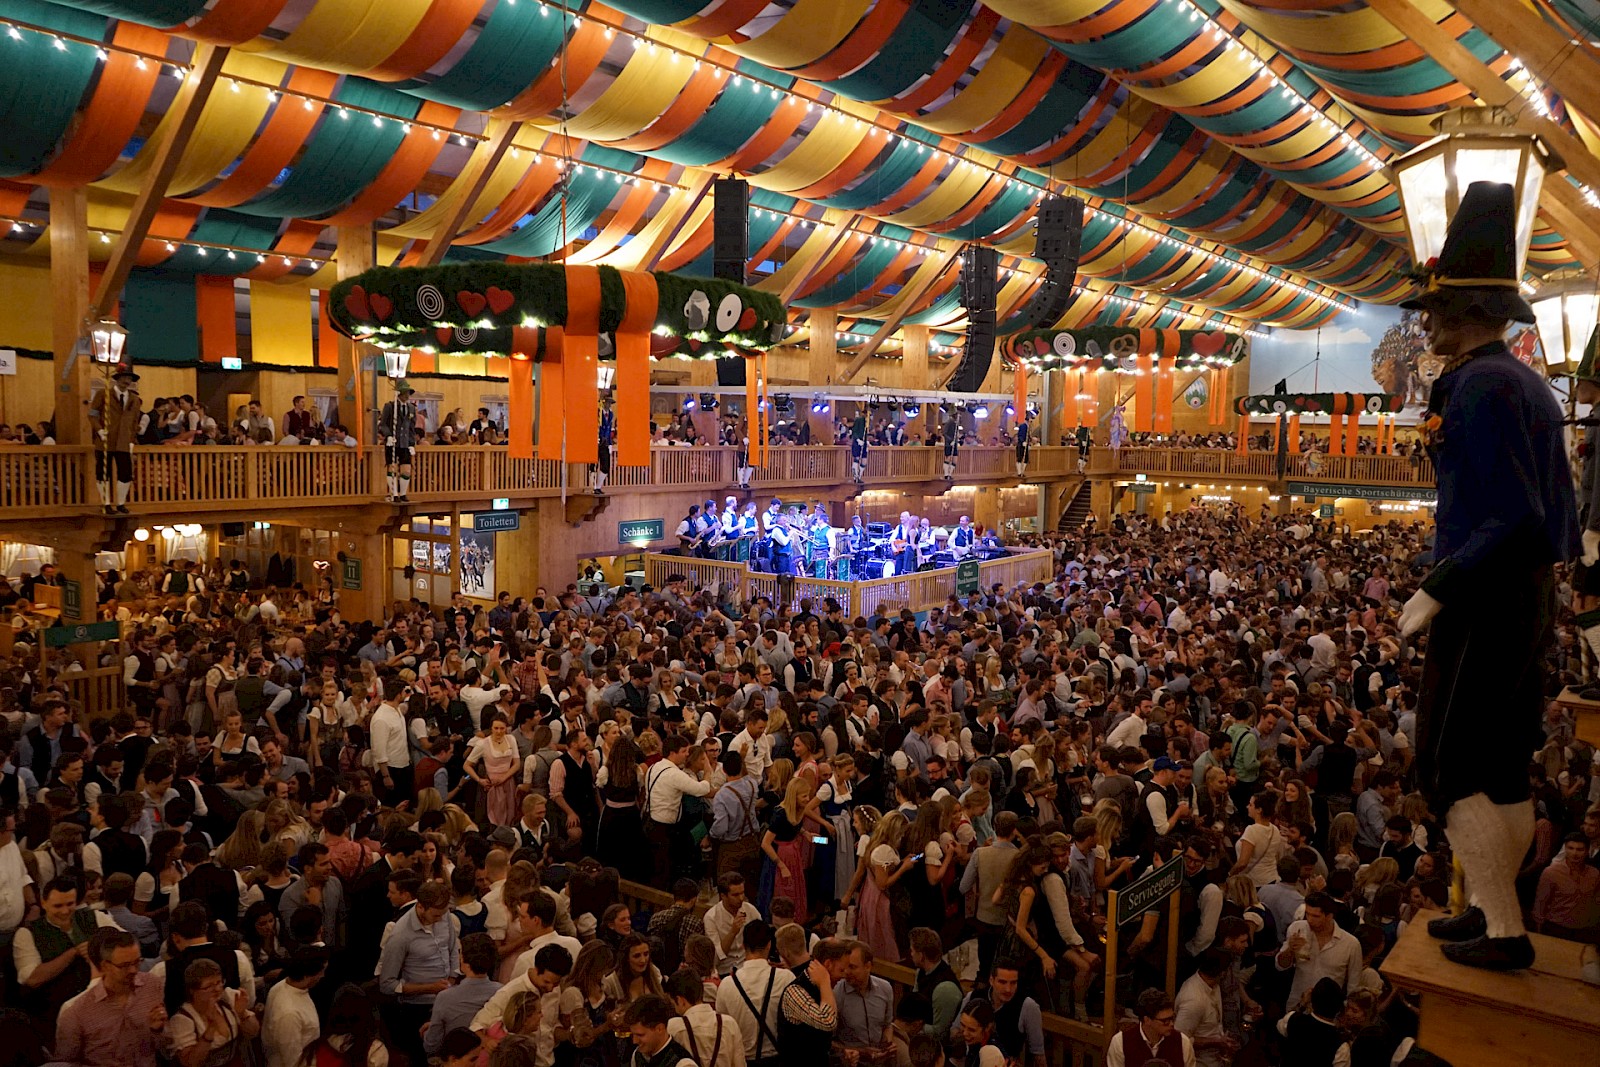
1077, 511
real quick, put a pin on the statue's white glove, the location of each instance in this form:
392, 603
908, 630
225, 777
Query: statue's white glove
1418, 612
389, 441
1591, 547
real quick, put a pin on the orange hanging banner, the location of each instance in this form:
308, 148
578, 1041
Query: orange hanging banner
1091, 403
519, 389
1294, 435
1166, 383
582, 365
633, 368
1336, 434
552, 395
1144, 393
752, 414
1242, 445
219, 336
1019, 392
764, 409
1352, 441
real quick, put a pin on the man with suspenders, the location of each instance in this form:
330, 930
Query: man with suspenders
752, 993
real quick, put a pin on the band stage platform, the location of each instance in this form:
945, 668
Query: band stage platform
1546, 1016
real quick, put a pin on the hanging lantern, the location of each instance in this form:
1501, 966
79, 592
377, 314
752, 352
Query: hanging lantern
107, 339
1474, 144
1566, 309
396, 363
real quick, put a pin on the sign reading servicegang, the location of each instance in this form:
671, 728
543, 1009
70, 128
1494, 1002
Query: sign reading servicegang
1154, 886
641, 531
490, 521
1363, 492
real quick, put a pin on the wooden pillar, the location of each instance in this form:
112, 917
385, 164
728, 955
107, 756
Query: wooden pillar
1100, 497
1052, 389
914, 357
354, 255
986, 507
69, 282
822, 366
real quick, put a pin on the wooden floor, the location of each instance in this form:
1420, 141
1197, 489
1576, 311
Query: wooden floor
1546, 1016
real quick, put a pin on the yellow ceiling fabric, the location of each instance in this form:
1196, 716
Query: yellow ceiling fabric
228, 122
952, 193
818, 155
1351, 32
911, 289
811, 249
806, 32
349, 36
506, 175
1003, 76
280, 323
648, 83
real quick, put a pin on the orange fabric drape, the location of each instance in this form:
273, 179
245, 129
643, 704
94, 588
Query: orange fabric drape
633, 368
1336, 435
1071, 412
219, 336
1090, 410
764, 408
1294, 435
1242, 446
1019, 392
552, 394
1166, 383
327, 336
752, 412
1144, 394
1352, 443
581, 362
112, 115
519, 381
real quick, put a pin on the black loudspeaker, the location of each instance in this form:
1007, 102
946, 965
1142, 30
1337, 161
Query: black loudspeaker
730, 252
1058, 241
730, 229
233, 529
980, 269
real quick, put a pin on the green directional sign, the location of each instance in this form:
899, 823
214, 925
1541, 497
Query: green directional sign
1154, 886
490, 521
967, 577
61, 636
351, 578
641, 530
71, 599
1141, 487
1363, 492
1325, 511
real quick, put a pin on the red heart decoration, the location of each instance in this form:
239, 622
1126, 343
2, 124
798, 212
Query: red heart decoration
748, 319
355, 302
1209, 344
382, 306
472, 303
500, 300
443, 333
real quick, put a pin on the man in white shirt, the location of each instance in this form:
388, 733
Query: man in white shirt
290, 1021
665, 785
537, 916
751, 995
391, 751
1317, 947
1129, 733
1199, 1008
712, 1038
543, 980
726, 919
754, 744
16, 887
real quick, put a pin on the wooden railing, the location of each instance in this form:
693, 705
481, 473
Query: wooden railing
41, 478
1223, 463
243, 476
99, 691
736, 583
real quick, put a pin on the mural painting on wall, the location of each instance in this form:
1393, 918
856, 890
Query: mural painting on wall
1197, 395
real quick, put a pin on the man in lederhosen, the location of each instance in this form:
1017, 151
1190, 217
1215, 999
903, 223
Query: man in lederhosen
397, 425
1505, 517
952, 440
115, 415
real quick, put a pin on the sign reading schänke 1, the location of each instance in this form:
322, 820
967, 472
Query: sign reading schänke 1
641, 531
1363, 492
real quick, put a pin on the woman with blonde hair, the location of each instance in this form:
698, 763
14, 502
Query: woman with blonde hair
1108, 829
880, 868
282, 824
779, 774
457, 823
834, 864
1342, 841
242, 850
428, 799
1385, 870
784, 873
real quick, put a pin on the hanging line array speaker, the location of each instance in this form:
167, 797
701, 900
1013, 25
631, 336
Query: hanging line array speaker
1058, 241
980, 269
730, 252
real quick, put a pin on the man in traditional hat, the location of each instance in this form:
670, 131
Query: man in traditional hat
397, 425
1505, 517
114, 412
608, 437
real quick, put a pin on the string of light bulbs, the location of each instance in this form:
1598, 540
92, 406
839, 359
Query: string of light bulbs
19, 225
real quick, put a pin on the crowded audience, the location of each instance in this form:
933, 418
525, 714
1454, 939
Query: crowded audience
653, 827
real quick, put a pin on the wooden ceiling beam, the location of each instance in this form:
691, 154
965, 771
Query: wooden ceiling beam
892, 324
480, 167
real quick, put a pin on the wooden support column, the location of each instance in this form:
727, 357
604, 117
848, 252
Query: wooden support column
1546, 51
182, 117
914, 373
821, 365
1562, 202
355, 254
473, 180
69, 284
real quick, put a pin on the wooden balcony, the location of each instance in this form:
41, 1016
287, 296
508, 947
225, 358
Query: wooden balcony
1211, 464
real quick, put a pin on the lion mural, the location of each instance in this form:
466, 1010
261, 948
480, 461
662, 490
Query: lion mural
1402, 364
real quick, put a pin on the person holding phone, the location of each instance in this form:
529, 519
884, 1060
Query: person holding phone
784, 873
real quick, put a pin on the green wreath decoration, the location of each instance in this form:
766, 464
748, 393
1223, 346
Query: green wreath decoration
1118, 347
476, 307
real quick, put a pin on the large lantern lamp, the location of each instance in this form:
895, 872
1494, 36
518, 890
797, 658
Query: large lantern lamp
107, 341
1566, 309
396, 362
1475, 144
